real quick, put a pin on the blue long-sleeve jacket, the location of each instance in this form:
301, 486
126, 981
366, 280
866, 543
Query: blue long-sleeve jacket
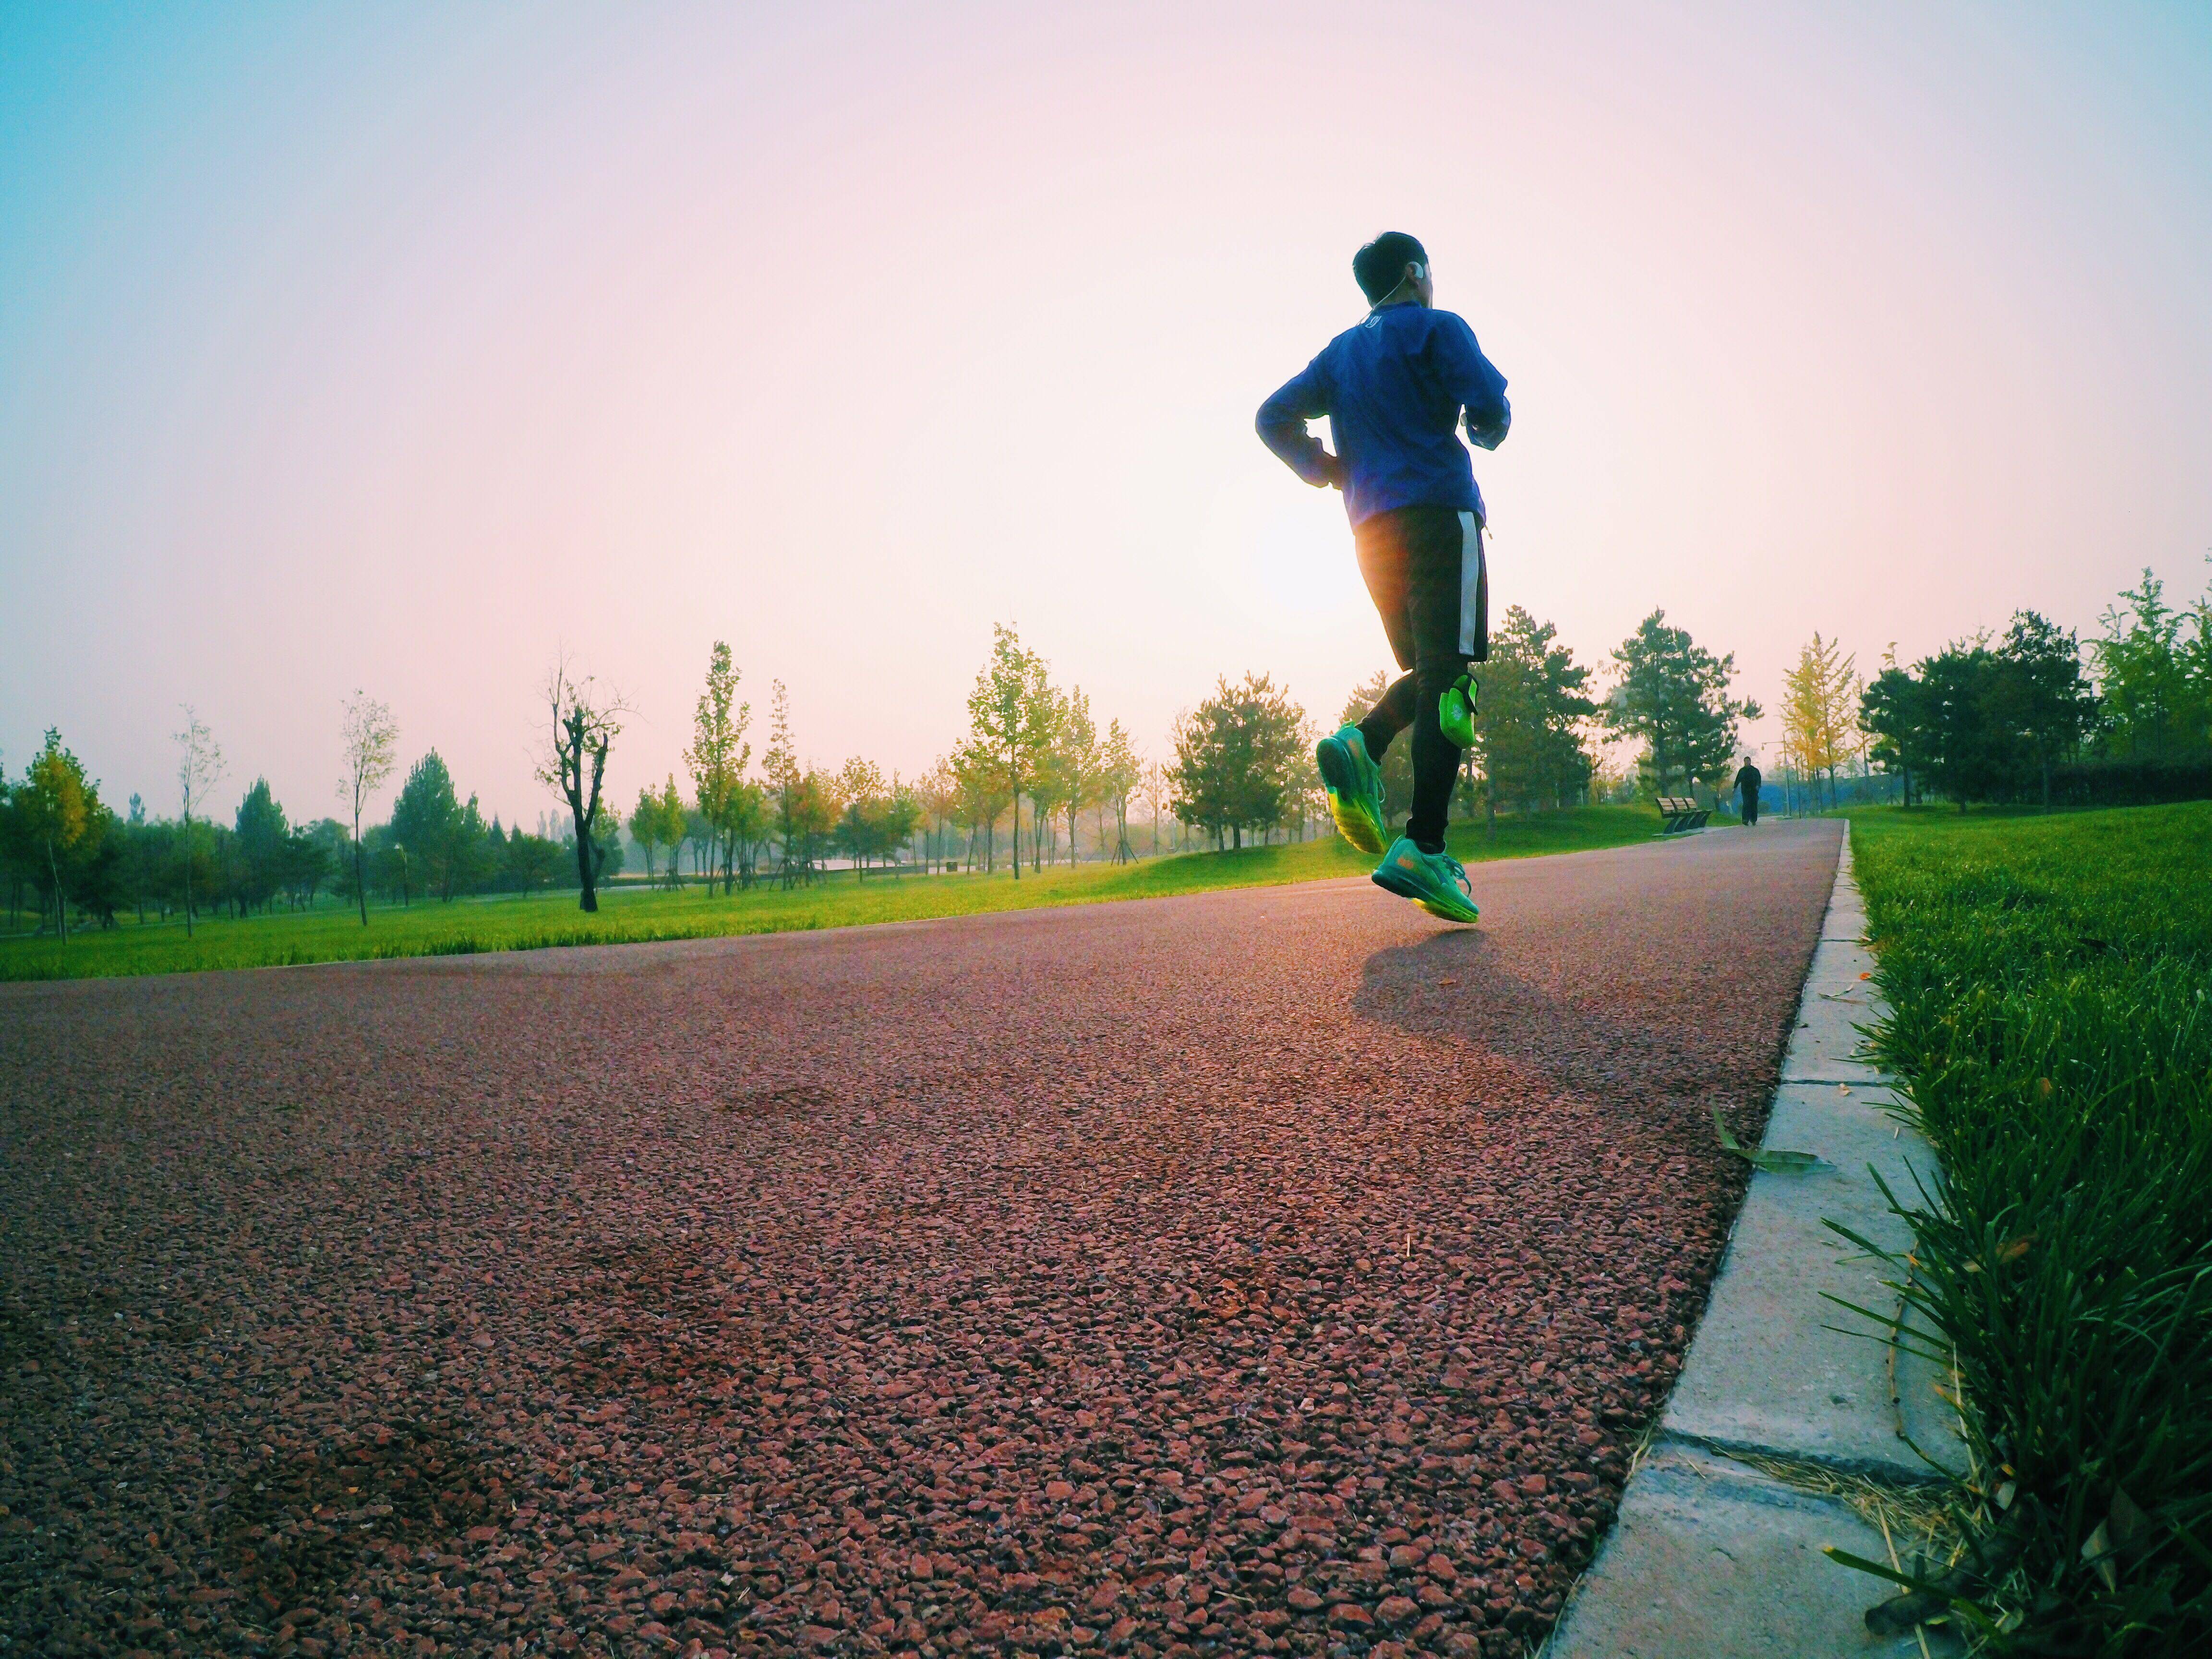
1393, 389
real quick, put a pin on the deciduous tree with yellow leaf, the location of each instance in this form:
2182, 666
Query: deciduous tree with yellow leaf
1820, 700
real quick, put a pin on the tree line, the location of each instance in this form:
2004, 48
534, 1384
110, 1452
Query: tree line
58, 836
1034, 776
1242, 765
2034, 714
2031, 715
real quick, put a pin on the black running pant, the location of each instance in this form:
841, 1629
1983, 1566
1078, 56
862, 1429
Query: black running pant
1750, 807
1425, 568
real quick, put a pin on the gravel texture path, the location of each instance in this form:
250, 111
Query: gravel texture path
1265, 1271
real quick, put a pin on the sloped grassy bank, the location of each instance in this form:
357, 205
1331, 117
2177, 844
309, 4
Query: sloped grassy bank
2052, 1023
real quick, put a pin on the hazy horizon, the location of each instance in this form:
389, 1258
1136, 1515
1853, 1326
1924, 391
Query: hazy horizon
406, 348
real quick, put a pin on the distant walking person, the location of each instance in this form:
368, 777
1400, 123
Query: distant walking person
1747, 788
1395, 388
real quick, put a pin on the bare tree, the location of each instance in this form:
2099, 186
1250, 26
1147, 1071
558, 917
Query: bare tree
199, 769
1157, 790
371, 739
1121, 774
585, 725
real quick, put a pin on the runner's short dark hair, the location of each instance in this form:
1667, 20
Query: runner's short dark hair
1380, 266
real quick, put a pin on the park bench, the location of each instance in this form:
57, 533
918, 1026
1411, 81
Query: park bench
1679, 815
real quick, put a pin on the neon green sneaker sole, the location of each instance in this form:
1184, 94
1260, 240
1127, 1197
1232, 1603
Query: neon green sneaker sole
1435, 881
1355, 788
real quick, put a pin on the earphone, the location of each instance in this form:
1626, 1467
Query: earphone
1416, 270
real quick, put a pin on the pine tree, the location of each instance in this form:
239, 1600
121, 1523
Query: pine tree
1531, 715
1673, 693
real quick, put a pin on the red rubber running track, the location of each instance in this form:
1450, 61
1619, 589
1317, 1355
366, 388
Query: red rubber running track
1274, 1270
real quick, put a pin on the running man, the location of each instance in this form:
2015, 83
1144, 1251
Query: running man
1393, 389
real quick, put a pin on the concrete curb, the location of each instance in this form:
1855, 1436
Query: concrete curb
1710, 1558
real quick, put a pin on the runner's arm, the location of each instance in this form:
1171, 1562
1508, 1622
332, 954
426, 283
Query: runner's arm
1472, 378
1282, 426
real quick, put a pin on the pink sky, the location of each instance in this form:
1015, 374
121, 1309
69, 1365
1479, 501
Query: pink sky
402, 350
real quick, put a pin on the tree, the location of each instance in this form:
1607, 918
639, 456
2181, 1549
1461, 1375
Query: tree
815, 807
304, 861
263, 834
468, 861
1533, 712
1892, 714
786, 777
983, 796
57, 811
1673, 695
1011, 719
1157, 790
747, 826
937, 795
1981, 722
659, 820
427, 821
719, 754
1967, 759
862, 793
645, 826
1073, 763
2042, 698
674, 824
901, 816
586, 723
370, 740
699, 837
2155, 671
290, 869
1821, 700
199, 769
1120, 775
531, 862
606, 841
390, 866
138, 843
1235, 756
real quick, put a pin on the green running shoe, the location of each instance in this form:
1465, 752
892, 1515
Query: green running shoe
1355, 788
1435, 881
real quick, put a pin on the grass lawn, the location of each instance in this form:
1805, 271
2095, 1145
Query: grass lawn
332, 933
2051, 982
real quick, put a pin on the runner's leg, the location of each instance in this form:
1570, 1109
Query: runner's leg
1392, 713
1449, 602
1383, 566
